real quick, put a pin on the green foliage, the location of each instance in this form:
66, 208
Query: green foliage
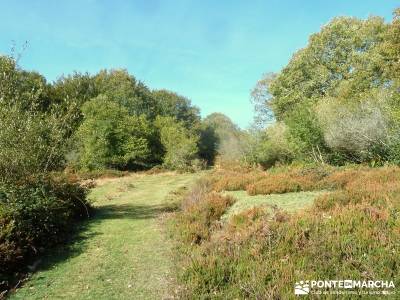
36, 209
270, 146
110, 137
35, 216
341, 52
173, 105
338, 96
305, 134
32, 131
27, 89
179, 143
208, 143
121, 87
76, 88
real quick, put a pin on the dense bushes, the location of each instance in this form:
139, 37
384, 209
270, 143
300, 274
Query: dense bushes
34, 216
37, 207
261, 255
200, 216
32, 138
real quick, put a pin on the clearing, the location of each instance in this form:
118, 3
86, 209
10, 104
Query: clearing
289, 201
122, 252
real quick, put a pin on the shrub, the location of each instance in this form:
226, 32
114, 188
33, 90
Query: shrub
201, 210
35, 216
276, 180
289, 180
359, 131
234, 181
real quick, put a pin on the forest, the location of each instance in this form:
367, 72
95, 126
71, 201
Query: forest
309, 191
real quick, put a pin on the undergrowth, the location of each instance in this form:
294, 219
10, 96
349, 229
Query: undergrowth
35, 215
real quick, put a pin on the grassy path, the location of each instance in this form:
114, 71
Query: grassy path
121, 253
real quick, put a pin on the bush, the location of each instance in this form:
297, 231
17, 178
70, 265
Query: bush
358, 131
234, 181
35, 216
200, 212
276, 180
261, 256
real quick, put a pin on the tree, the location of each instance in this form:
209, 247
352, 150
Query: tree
111, 138
29, 89
124, 89
345, 64
33, 132
76, 88
269, 146
173, 105
389, 49
342, 52
260, 98
229, 137
208, 143
179, 143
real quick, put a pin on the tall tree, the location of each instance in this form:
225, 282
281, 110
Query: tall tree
123, 88
111, 138
176, 106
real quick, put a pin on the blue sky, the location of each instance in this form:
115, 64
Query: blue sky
213, 52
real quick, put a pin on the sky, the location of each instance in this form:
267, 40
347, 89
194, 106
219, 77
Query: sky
211, 51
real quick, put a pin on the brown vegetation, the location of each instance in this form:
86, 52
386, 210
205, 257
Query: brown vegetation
258, 255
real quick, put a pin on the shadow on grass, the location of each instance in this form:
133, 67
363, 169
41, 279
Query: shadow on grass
129, 211
84, 231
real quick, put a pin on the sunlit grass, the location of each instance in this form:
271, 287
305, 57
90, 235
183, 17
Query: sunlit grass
289, 202
121, 253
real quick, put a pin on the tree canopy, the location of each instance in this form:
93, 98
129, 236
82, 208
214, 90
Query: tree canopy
347, 74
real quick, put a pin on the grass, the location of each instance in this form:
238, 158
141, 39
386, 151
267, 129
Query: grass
289, 202
121, 253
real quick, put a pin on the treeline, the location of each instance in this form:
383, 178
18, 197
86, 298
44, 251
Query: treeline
108, 120
338, 99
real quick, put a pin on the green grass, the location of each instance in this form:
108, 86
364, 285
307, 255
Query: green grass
122, 253
288, 202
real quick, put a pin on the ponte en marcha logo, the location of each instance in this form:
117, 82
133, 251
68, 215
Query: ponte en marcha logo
356, 287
